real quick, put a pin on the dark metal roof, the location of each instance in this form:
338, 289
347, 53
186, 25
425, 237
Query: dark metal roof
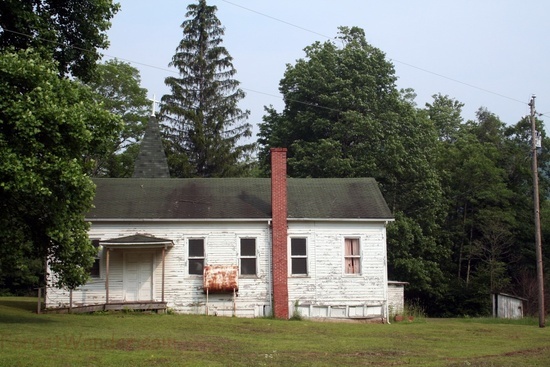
236, 198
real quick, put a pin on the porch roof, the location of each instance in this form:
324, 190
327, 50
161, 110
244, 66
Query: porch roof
137, 240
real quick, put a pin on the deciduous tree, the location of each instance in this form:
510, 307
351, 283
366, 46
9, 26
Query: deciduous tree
70, 31
47, 126
117, 84
344, 117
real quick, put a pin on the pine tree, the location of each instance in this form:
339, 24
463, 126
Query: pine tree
205, 123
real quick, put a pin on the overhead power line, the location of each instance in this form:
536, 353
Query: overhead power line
277, 19
269, 94
398, 61
167, 70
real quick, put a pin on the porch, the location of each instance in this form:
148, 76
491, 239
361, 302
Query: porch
130, 275
137, 260
158, 307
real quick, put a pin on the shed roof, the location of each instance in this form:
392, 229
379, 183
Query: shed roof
236, 198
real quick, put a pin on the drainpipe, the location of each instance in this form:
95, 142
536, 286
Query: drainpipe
386, 304
269, 266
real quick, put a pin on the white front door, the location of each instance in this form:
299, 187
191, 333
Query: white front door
138, 276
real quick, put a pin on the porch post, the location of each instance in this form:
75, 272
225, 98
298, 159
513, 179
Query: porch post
163, 266
107, 276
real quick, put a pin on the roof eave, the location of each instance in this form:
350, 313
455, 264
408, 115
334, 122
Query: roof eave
341, 219
177, 219
237, 219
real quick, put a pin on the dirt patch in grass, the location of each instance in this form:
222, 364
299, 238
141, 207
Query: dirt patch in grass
139, 340
529, 352
349, 321
493, 360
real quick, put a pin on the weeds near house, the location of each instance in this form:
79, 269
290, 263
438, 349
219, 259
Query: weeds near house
296, 315
141, 339
414, 309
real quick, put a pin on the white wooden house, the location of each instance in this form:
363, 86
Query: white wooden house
248, 247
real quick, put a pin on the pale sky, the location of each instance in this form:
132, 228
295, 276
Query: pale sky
490, 53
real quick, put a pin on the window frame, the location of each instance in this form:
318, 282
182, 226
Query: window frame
297, 257
352, 256
195, 258
248, 257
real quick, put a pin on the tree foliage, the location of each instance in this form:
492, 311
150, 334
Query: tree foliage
47, 126
461, 192
118, 87
344, 117
70, 31
487, 182
205, 124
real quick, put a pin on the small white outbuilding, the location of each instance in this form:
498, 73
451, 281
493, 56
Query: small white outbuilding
507, 306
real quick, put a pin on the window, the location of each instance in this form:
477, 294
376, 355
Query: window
196, 256
248, 256
298, 256
94, 270
352, 257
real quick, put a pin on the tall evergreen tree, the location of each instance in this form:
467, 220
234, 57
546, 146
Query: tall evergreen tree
205, 124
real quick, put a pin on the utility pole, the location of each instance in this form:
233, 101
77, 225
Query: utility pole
538, 240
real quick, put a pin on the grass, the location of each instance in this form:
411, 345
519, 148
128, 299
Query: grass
137, 339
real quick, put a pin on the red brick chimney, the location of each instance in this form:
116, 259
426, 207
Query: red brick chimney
279, 233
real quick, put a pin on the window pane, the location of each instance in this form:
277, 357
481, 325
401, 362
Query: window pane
248, 266
298, 246
353, 256
248, 247
195, 266
353, 265
94, 271
355, 247
196, 248
299, 265
352, 246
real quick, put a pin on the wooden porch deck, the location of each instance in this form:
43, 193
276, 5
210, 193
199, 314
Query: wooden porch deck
112, 306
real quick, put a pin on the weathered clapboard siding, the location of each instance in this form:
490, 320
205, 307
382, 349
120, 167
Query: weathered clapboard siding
327, 291
396, 296
507, 306
222, 246
182, 292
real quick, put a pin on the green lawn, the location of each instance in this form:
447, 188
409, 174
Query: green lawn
135, 339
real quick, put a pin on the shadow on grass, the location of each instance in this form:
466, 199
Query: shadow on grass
20, 303
19, 310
